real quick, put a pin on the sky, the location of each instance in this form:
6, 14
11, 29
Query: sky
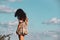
43, 15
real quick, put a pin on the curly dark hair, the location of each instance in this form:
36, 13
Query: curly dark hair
20, 14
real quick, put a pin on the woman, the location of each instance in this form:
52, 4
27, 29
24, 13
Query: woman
23, 22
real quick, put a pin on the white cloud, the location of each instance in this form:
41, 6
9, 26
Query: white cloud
6, 9
12, 0
53, 34
8, 27
9, 24
52, 21
2, 1
13, 23
44, 35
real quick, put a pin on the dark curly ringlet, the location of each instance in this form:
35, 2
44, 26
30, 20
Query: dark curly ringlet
20, 14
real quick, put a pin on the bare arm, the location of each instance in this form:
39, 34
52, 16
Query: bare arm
26, 21
18, 28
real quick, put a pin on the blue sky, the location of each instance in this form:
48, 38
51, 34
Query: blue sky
43, 15
37, 11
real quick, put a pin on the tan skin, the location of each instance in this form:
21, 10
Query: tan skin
21, 37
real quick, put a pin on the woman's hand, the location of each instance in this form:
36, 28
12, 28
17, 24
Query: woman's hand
16, 32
